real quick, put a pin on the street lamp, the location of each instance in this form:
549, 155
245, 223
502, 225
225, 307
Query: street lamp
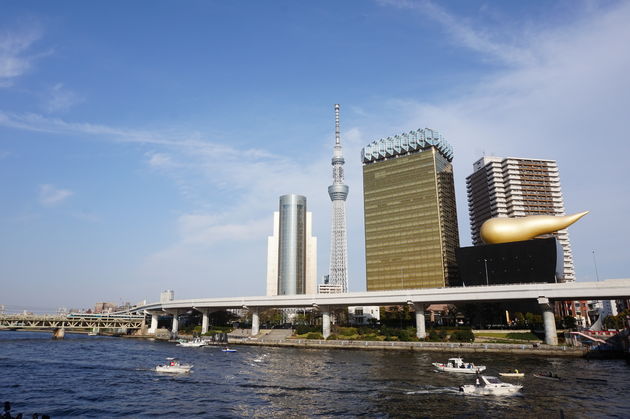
595, 263
485, 264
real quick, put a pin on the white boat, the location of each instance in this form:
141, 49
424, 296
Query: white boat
195, 343
458, 365
486, 385
228, 350
513, 373
173, 366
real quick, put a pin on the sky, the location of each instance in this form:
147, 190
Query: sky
144, 145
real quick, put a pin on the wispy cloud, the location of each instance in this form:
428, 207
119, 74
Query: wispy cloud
159, 160
40, 123
59, 99
15, 59
208, 228
468, 34
49, 195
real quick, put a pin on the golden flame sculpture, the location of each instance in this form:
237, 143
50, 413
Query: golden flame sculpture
504, 230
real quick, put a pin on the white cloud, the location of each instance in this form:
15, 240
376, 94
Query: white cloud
208, 229
50, 195
14, 58
61, 99
160, 160
468, 35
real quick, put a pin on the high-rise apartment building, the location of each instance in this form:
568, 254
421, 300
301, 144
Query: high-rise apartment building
292, 250
516, 187
338, 193
411, 228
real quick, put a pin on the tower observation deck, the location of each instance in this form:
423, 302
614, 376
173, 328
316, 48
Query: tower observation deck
338, 193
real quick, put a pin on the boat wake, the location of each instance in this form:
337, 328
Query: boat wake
435, 390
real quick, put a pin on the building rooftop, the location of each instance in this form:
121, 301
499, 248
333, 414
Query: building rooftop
407, 143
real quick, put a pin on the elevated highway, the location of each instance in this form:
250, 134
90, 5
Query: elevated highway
543, 293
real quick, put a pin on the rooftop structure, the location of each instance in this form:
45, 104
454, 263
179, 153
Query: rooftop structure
407, 143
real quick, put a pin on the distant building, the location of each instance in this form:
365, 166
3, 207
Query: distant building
104, 307
623, 304
364, 315
166, 296
600, 309
411, 228
329, 288
292, 250
517, 187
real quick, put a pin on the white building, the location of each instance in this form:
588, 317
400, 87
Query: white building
166, 296
329, 288
362, 315
292, 250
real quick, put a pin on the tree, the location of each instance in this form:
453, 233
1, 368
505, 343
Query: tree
569, 322
271, 316
617, 322
222, 318
397, 316
529, 319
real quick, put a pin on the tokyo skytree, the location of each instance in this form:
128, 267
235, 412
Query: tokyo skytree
338, 193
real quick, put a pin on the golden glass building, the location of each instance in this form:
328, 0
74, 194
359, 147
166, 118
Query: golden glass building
410, 215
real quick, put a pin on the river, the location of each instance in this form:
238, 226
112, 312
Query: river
86, 376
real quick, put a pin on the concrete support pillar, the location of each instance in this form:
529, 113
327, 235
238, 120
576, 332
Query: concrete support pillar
325, 322
175, 314
59, 333
551, 335
255, 322
421, 331
205, 320
154, 324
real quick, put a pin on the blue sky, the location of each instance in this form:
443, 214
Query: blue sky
144, 145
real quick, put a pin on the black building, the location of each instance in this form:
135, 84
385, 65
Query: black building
537, 260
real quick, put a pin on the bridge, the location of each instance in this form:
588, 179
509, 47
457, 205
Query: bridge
59, 322
543, 293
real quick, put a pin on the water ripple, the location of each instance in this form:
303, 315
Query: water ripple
85, 376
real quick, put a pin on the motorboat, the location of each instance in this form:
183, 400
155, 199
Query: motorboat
486, 385
195, 343
226, 349
458, 365
173, 366
513, 373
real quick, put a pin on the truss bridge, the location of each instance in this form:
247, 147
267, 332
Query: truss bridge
71, 321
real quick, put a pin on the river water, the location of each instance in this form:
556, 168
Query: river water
87, 376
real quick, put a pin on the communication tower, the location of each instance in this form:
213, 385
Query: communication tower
338, 193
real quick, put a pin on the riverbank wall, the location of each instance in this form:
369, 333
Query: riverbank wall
516, 349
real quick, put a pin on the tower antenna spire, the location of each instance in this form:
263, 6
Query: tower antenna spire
337, 138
